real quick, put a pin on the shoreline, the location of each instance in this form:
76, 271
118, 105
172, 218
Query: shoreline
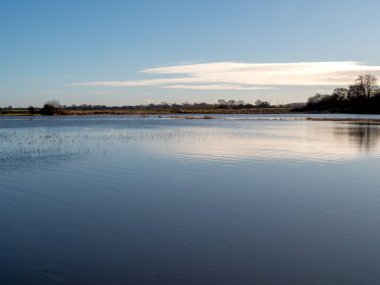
208, 116
65, 112
350, 120
176, 112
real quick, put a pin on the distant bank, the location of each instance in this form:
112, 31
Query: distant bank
142, 111
362, 97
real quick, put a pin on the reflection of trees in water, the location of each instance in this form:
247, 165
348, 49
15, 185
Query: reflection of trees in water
364, 136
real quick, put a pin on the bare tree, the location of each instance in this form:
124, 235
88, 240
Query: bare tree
222, 102
341, 93
262, 104
368, 83
51, 108
231, 102
31, 110
356, 91
53, 103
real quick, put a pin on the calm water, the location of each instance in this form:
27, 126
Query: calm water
236, 200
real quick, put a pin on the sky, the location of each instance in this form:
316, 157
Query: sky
127, 52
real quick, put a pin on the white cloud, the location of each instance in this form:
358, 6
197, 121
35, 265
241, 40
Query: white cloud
215, 87
137, 83
243, 76
103, 92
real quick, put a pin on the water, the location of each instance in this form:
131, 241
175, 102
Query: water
235, 200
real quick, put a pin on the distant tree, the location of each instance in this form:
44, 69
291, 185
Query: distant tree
356, 91
315, 99
31, 110
222, 102
341, 93
361, 97
262, 104
53, 103
368, 84
231, 102
51, 108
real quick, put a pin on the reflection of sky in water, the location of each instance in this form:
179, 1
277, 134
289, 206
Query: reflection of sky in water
116, 200
315, 141
192, 139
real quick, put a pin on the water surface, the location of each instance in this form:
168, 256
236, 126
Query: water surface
258, 199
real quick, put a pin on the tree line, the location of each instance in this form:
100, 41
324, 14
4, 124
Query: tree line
221, 104
53, 107
363, 96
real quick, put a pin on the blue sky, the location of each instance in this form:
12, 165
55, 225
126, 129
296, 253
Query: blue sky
135, 52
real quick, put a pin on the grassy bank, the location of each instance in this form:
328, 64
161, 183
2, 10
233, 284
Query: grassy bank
349, 120
17, 112
179, 111
25, 112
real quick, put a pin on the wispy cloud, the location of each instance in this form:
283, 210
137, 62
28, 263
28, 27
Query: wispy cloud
102, 92
215, 87
246, 76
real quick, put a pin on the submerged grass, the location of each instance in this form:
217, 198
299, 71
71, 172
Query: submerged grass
352, 120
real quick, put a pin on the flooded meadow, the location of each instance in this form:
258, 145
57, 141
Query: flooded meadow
274, 199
